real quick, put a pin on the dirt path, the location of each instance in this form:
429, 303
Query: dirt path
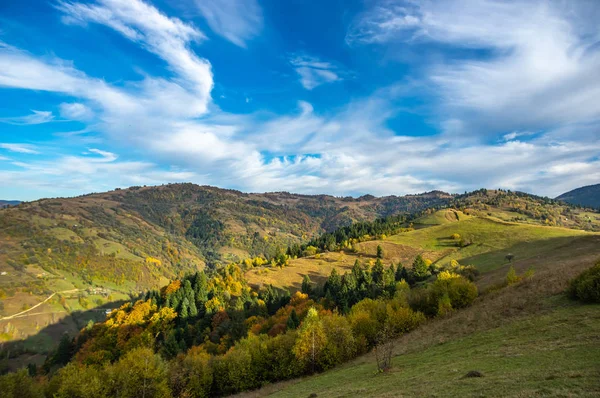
37, 305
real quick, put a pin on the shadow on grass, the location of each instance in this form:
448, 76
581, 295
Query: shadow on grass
18, 353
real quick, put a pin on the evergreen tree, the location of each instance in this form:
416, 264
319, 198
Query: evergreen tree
184, 309
379, 252
293, 321
377, 274
193, 312
307, 285
64, 351
420, 269
333, 286
401, 272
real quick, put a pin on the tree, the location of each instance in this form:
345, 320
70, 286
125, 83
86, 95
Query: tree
420, 270
191, 375
64, 351
333, 286
293, 321
184, 310
378, 275
511, 276
311, 340
384, 349
140, 373
306, 285
379, 252
340, 346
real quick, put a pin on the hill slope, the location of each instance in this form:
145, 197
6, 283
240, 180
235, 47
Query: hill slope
588, 196
98, 248
526, 339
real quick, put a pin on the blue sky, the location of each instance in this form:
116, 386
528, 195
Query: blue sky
338, 97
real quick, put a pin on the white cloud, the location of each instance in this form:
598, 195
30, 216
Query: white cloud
314, 72
236, 20
540, 70
76, 111
38, 117
105, 156
166, 37
20, 148
351, 150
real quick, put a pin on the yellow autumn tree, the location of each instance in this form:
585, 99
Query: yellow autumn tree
311, 340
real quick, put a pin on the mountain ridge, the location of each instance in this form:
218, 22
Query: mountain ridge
588, 196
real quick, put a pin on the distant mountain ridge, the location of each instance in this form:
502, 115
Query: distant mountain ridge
588, 196
4, 203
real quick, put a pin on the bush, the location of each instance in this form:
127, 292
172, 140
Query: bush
586, 287
449, 291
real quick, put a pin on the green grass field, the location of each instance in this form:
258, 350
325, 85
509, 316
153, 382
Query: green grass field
555, 354
491, 241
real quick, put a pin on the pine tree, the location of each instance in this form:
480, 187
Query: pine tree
307, 285
420, 270
193, 312
379, 252
184, 310
377, 274
293, 321
333, 286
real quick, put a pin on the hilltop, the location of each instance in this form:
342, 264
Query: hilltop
588, 196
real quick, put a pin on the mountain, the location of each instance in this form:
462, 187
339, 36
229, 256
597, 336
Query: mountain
67, 256
492, 266
588, 196
5, 203
88, 251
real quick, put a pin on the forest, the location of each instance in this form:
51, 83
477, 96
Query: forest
210, 334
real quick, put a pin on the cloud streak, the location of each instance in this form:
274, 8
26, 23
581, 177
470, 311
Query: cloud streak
235, 20
20, 148
313, 72
37, 117
521, 117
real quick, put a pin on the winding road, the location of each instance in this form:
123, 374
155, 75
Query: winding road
37, 305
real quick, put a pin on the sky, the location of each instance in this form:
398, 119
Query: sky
338, 97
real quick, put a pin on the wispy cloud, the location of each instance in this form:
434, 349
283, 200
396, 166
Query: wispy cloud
313, 72
537, 76
20, 148
38, 117
542, 64
236, 20
166, 37
76, 111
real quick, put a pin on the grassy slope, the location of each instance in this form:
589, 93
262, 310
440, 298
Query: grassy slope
492, 241
527, 339
554, 354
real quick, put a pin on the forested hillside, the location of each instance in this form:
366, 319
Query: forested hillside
588, 196
59, 256
214, 332
63, 262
